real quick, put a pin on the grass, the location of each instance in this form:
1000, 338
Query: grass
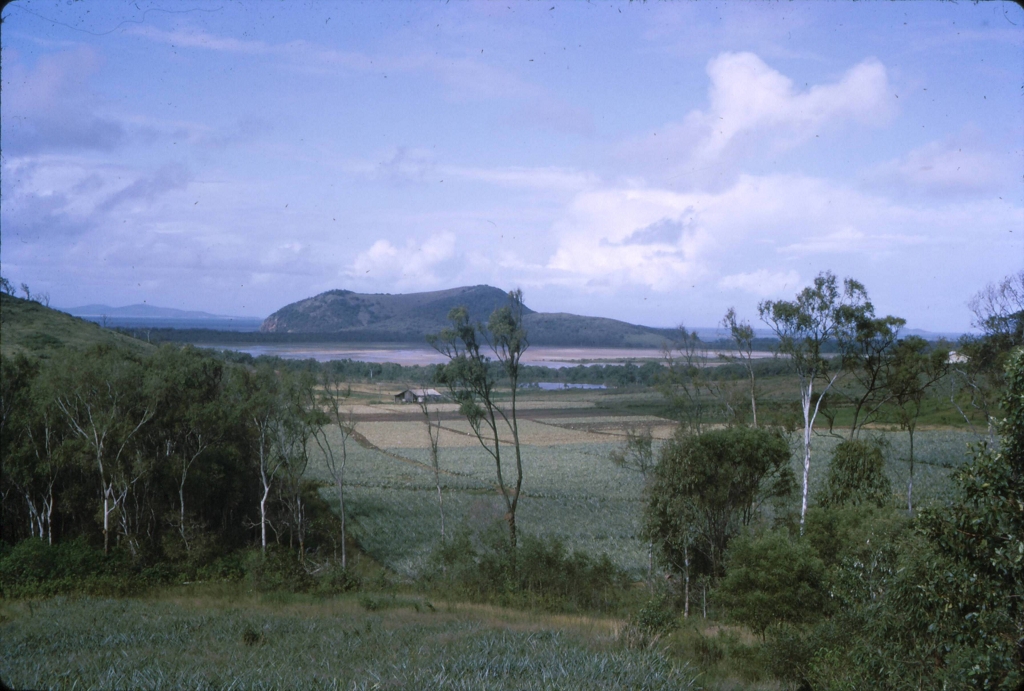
33, 329
224, 640
571, 490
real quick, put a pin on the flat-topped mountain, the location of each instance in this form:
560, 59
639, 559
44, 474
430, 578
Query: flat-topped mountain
410, 317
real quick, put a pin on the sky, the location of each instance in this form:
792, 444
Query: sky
653, 162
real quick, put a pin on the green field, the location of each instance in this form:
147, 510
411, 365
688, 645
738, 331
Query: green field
571, 491
230, 640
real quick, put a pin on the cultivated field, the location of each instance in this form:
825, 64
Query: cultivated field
230, 640
571, 487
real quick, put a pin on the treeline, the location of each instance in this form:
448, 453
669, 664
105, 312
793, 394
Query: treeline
172, 457
852, 585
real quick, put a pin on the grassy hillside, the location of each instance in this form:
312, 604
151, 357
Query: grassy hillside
341, 310
344, 315
31, 328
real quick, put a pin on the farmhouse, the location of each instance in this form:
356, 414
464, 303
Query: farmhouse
417, 396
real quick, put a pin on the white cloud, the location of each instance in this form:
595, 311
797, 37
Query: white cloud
751, 106
413, 265
763, 282
759, 235
941, 169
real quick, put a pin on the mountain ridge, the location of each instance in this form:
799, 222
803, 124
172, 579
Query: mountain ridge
409, 317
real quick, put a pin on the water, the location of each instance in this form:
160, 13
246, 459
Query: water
558, 386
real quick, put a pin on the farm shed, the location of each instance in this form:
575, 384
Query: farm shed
417, 396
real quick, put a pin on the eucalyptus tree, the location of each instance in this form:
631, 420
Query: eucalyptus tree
742, 335
820, 314
916, 367
105, 399
979, 365
259, 394
867, 351
637, 454
192, 417
471, 380
434, 437
706, 488
17, 377
686, 381
327, 405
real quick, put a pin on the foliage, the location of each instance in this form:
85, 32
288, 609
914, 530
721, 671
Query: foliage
856, 475
547, 576
943, 608
772, 579
705, 488
472, 385
198, 640
821, 313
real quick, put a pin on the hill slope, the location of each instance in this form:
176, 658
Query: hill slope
33, 329
410, 317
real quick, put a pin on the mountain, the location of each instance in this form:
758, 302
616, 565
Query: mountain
142, 312
410, 317
29, 327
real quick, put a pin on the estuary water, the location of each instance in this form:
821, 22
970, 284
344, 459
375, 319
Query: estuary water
407, 355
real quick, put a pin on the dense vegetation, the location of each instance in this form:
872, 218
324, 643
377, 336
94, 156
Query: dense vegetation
127, 466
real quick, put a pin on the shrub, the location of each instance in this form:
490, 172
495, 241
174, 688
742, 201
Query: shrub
772, 579
546, 576
856, 475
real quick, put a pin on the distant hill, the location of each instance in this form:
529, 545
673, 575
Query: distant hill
31, 328
410, 317
142, 312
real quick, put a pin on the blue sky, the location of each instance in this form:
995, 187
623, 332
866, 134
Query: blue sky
652, 162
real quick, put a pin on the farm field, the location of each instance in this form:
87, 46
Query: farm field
572, 489
219, 640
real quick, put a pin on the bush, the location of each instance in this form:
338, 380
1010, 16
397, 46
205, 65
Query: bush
35, 568
856, 475
771, 579
546, 575
276, 570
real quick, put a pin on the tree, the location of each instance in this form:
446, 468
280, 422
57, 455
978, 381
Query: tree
334, 394
804, 326
856, 475
772, 579
706, 488
104, 398
742, 335
191, 417
259, 394
434, 436
980, 362
470, 379
867, 352
637, 454
686, 382
915, 368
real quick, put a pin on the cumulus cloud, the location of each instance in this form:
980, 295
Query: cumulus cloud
752, 106
617, 237
414, 264
759, 235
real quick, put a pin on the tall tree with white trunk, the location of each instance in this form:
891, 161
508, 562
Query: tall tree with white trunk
820, 315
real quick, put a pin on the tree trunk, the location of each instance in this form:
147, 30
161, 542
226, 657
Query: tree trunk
263, 518
910, 482
806, 403
339, 487
686, 582
106, 522
753, 398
